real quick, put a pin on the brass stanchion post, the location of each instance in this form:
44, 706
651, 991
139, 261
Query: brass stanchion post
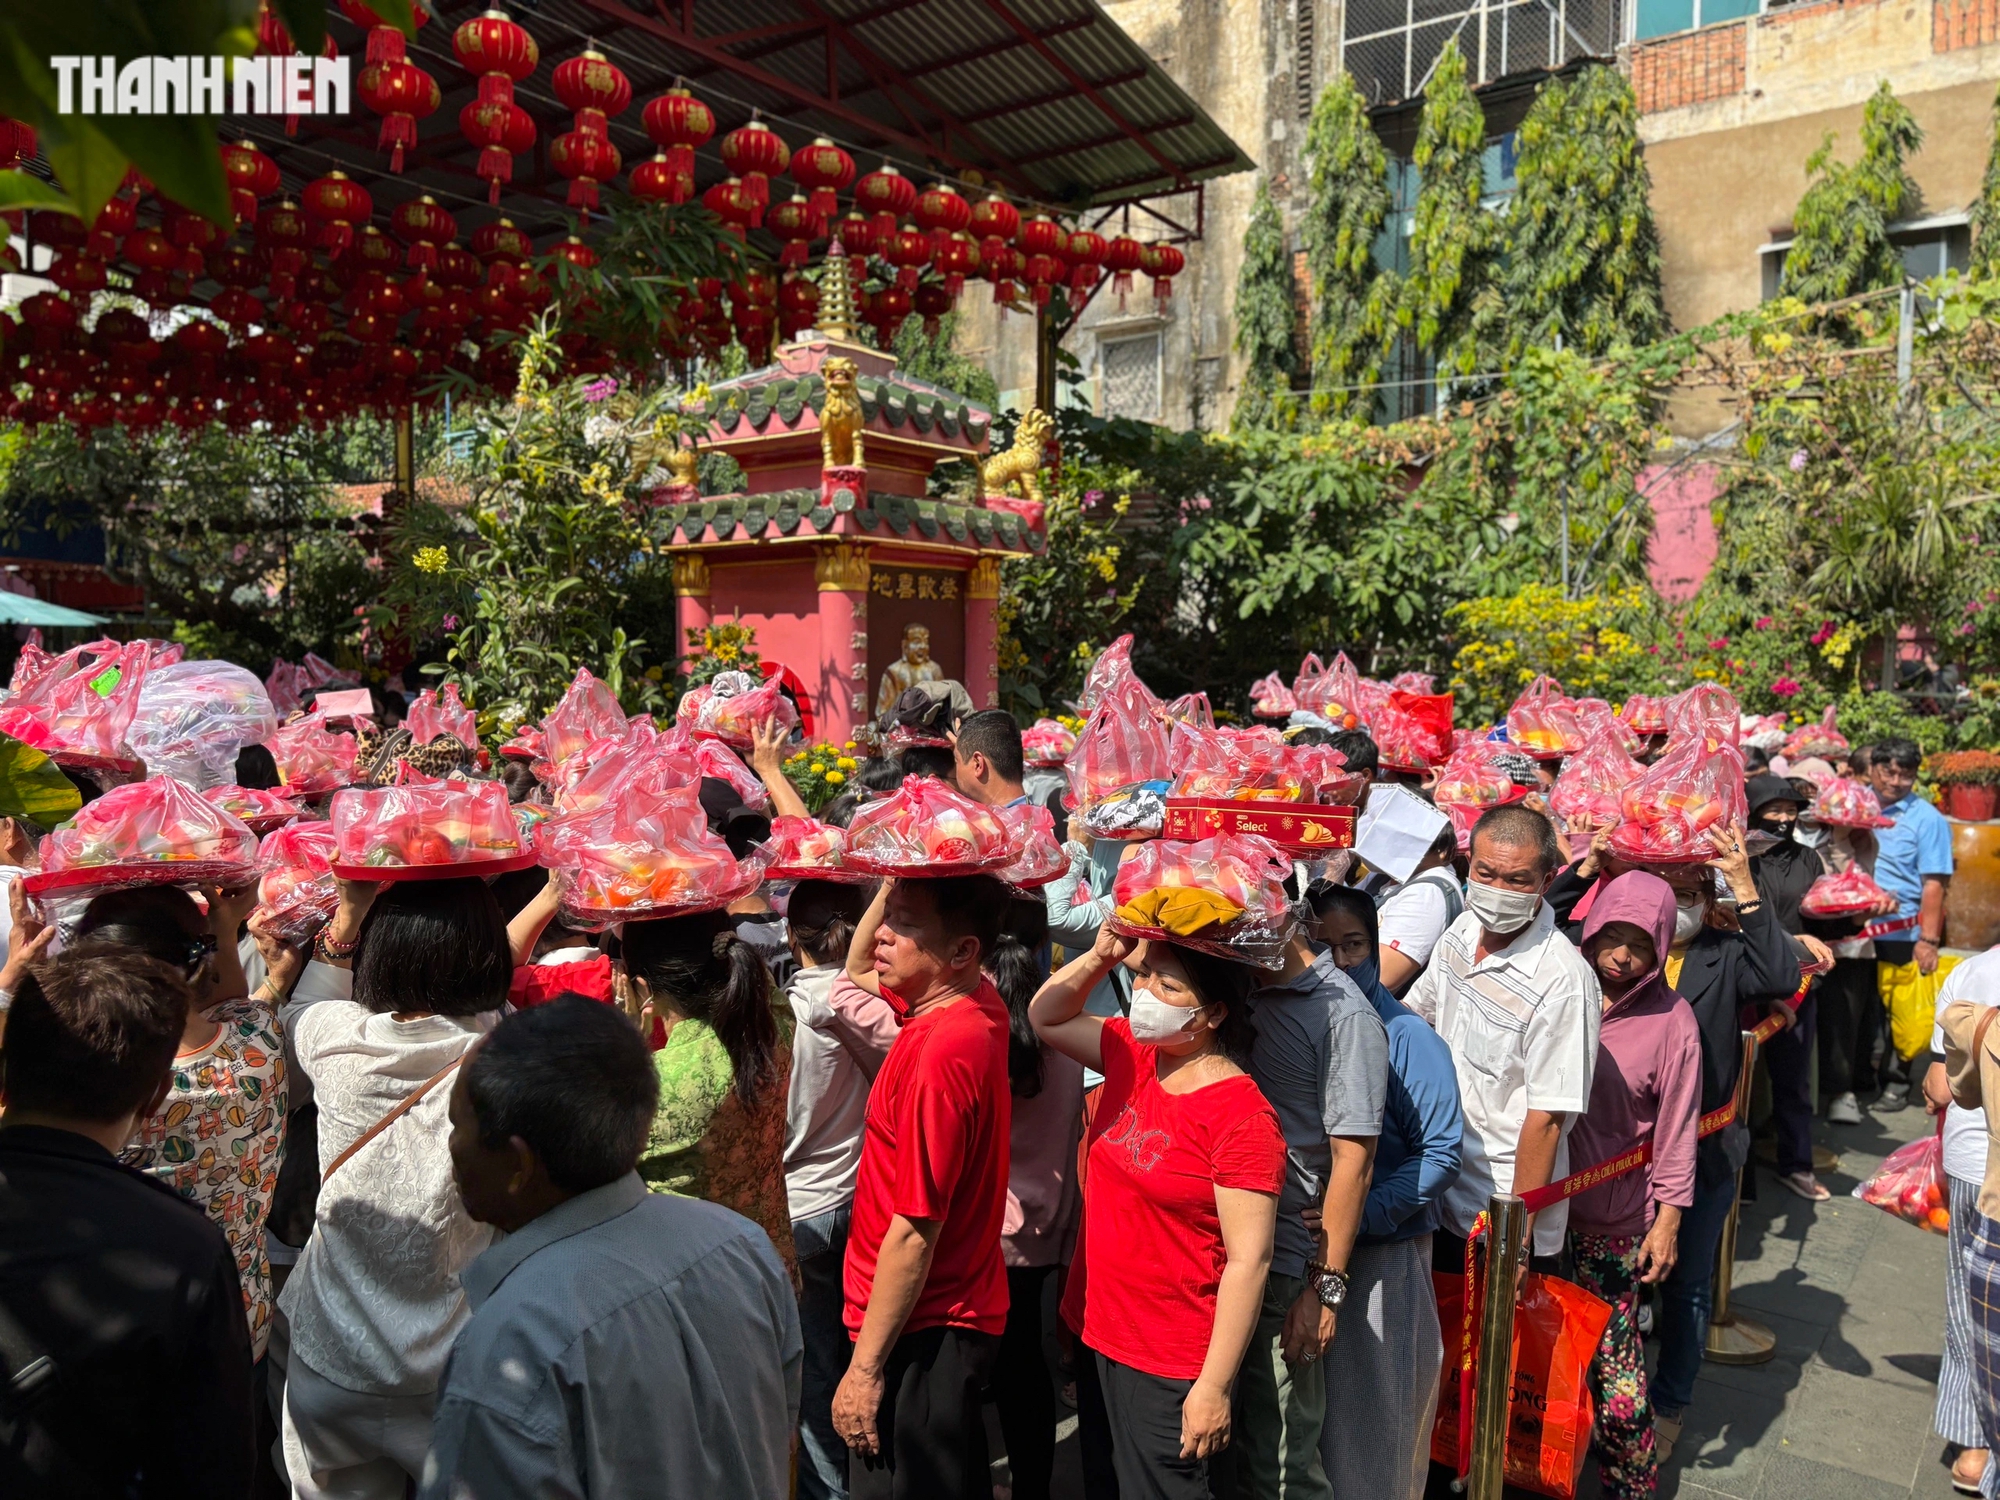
1732, 1338
1493, 1381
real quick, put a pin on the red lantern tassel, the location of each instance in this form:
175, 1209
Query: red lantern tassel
334, 238
1043, 291
681, 190
592, 122
908, 277
953, 285
283, 284
1163, 288
883, 225
1121, 284
422, 256
824, 203
385, 44
496, 166
242, 203
793, 255
583, 195
397, 132
496, 88
680, 162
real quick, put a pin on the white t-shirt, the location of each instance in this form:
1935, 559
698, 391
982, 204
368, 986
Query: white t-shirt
1976, 980
840, 1038
1522, 1027
375, 1301
1415, 916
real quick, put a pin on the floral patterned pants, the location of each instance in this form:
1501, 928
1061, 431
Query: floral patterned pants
1622, 1435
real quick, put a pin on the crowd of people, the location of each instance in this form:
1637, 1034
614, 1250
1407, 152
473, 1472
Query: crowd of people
461, 1199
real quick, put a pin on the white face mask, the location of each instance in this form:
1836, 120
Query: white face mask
1499, 909
1688, 922
1153, 1020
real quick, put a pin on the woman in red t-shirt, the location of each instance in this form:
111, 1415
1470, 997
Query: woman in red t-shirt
1180, 1200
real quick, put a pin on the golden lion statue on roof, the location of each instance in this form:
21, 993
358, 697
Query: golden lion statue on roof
1021, 465
840, 418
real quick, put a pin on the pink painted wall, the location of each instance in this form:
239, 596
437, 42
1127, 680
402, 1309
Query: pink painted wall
1683, 546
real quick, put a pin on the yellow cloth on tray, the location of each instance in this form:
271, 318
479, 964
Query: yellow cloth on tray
1180, 909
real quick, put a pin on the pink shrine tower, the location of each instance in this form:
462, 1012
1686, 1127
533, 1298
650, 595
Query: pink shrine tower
832, 563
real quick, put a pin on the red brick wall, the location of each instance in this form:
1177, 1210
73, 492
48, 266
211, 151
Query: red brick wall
1697, 66
1964, 23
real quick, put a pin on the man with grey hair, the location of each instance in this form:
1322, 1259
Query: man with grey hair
1518, 1006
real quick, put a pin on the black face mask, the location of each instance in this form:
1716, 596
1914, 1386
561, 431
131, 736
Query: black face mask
1778, 828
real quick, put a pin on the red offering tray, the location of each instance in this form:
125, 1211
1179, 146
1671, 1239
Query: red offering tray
156, 832
807, 849
458, 870
427, 830
262, 810
1295, 827
1039, 856
926, 830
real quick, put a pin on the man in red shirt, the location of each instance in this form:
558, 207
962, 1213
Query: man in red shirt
926, 1291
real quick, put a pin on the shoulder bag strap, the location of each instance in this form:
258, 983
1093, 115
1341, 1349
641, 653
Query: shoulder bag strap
410, 1102
1979, 1045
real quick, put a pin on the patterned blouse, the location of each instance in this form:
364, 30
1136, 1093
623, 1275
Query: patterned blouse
219, 1138
706, 1143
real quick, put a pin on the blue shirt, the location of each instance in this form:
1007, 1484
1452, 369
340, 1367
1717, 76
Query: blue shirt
1918, 844
1416, 1158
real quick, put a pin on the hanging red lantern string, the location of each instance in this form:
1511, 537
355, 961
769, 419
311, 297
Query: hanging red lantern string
586, 159
283, 238
1085, 252
728, 201
885, 195
798, 305
824, 171
1122, 257
797, 226
909, 250
17, 143
424, 226
252, 175
496, 52
593, 89
385, 42
941, 213
858, 239
1162, 263
1044, 273
402, 94
1003, 265
658, 182
337, 203
500, 128
958, 260
755, 154
679, 123
931, 302
993, 217
191, 234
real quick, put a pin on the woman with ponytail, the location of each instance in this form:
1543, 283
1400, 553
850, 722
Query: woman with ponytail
724, 1057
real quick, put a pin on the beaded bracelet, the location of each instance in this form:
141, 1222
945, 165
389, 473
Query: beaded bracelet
334, 951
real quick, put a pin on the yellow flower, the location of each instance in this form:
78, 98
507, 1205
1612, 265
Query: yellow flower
817, 769
846, 763
431, 559
848, 746
834, 778
654, 674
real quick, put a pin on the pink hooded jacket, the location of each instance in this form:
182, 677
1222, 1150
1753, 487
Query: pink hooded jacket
1647, 1083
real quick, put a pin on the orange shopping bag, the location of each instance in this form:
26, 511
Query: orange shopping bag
1557, 1327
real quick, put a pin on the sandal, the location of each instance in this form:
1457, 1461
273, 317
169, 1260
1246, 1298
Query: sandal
1807, 1186
1959, 1481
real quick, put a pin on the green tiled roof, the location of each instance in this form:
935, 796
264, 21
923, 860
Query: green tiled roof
746, 405
799, 512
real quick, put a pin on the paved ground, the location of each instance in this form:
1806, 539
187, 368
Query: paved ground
1843, 1411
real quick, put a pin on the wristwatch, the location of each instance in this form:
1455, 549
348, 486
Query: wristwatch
1327, 1284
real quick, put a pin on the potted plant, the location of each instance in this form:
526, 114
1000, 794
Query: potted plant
1968, 782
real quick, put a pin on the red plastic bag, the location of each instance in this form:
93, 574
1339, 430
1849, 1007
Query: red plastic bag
194, 716
1119, 770
1412, 731
1248, 765
1111, 676
1910, 1184
260, 810
1671, 812
735, 706
286, 687
1598, 722
1047, 743
1820, 739
643, 855
1557, 1328
926, 829
296, 894
1038, 853
1421, 683
80, 708
1472, 781
1337, 696
312, 759
1543, 721
1645, 715
716, 761
426, 830
1587, 790
31, 664
1306, 688
1190, 708
1705, 711
1849, 894
807, 849
1846, 803
1271, 699
435, 713
525, 745
1241, 868
589, 711
156, 832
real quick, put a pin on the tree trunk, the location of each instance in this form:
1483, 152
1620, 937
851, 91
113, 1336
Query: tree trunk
1889, 655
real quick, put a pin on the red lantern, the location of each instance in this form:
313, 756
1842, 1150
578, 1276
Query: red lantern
59, 231
679, 123
754, 323
857, 237
932, 302
193, 235
422, 225
658, 182
307, 319
337, 203
501, 241
371, 251
385, 42
798, 305
17, 143
909, 251
1041, 235
1001, 264
252, 175
941, 213
886, 311
116, 218
1044, 273
236, 307
77, 272
1162, 263
794, 223
958, 260
1085, 252
496, 51
592, 88
755, 154
1122, 257
150, 250
576, 252
994, 217
160, 289
586, 159
235, 265
458, 268
500, 128
402, 94
824, 171
729, 202
886, 195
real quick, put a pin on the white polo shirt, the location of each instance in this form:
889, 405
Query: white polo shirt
1522, 1028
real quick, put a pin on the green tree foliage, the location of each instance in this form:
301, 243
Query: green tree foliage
1986, 210
1583, 262
1264, 321
1353, 300
939, 362
1451, 296
1840, 244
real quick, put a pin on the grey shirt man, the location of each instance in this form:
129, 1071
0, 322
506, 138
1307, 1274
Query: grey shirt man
1322, 1059
624, 1343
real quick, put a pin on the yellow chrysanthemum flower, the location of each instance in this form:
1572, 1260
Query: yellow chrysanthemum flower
431, 559
834, 778
846, 763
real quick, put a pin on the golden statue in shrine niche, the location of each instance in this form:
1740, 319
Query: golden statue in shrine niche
912, 667
840, 420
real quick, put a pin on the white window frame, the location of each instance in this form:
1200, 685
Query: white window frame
1771, 256
1131, 333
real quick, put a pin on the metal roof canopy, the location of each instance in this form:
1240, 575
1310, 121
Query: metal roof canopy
1047, 100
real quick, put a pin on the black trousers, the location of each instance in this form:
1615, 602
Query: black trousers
1144, 1412
1850, 1015
1093, 1430
1022, 1392
932, 1431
